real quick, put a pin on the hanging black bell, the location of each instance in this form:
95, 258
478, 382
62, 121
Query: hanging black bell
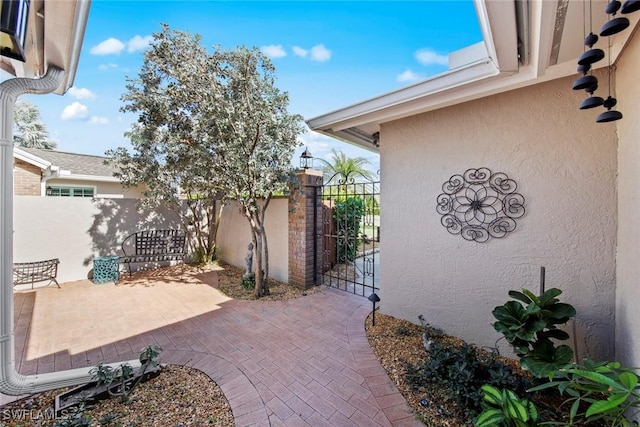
610, 102
591, 102
584, 68
590, 40
631, 6
585, 82
612, 7
609, 116
592, 88
614, 26
591, 56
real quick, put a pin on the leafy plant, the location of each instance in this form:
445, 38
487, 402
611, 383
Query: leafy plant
530, 324
461, 370
503, 408
248, 282
347, 215
605, 389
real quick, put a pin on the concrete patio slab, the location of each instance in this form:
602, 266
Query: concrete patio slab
298, 362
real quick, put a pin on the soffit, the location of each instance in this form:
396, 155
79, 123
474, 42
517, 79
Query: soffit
55, 32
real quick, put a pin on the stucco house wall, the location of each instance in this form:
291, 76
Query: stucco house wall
628, 267
26, 179
102, 188
565, 167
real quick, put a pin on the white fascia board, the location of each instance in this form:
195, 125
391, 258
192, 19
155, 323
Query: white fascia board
30, 158
377, 108
77, 177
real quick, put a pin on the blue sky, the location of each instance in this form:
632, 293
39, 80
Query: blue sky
327, 55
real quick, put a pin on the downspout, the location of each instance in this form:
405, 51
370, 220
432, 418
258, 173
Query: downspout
12, 382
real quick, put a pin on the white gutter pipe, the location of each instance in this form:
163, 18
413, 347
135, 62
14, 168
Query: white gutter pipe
12, 382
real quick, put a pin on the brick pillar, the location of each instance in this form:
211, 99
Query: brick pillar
305, 225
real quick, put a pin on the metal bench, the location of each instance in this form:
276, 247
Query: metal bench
38, 271
153, 246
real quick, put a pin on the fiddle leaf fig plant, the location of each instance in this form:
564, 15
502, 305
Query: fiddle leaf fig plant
530, 323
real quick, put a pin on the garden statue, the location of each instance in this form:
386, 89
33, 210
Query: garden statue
249, 260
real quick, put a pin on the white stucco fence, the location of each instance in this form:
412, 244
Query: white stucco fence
76, 230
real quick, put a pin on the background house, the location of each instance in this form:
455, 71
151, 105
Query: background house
507, 104
39, 172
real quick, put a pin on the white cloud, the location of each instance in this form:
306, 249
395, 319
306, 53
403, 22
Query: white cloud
75, 111
81, 93
138, 43
431, 57
300, 51
320, 53
408, 76
98, 120
111, 46
274, 51
110, 66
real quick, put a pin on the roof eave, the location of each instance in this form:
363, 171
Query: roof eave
31, 158
497, 20
55, 32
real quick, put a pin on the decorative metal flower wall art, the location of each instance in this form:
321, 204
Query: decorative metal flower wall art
480, 204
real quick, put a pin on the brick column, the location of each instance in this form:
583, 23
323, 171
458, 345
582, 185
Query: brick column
305, 225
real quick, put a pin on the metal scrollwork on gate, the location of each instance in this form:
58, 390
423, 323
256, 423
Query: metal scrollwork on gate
480, 204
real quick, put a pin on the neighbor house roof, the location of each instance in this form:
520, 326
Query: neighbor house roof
59, 164
524, 43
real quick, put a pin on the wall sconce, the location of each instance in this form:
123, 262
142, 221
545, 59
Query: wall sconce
306, 159
14, 15
49, 191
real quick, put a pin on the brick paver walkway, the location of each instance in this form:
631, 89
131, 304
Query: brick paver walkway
299, 362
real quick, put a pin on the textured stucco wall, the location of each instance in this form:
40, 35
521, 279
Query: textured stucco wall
628, 261
565, 167
235, 234
75, 229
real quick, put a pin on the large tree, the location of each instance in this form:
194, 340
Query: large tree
212, 125
30, 131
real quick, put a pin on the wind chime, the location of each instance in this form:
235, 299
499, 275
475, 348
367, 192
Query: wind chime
588, 81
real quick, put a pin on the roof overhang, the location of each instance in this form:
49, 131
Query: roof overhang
55, 31
525, 42
31, 159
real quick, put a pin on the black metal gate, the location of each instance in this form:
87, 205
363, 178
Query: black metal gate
350, 236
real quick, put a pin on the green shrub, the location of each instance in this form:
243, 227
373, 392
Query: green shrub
602, 391
503, 408
530, 323
347, 215
249, 282
461, 370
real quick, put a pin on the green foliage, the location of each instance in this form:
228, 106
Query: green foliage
605, 389
248, 282
347, 215
530, 324
461, 370
343, 169
212, 124
503, 408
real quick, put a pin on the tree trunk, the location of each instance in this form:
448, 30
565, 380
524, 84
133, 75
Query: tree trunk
257, 248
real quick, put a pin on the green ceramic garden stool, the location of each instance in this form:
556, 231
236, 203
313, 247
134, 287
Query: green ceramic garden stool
106, 269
